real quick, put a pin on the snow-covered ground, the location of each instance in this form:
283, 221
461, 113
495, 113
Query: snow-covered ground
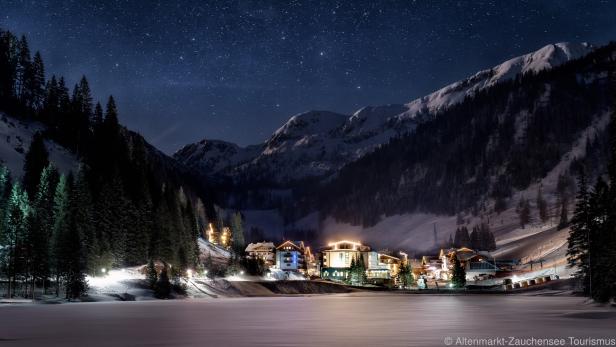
219, 255
119, 284
15, 138
334, 320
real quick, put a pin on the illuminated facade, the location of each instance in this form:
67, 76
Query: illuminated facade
336, 262
476, 264
290, 256
265, 251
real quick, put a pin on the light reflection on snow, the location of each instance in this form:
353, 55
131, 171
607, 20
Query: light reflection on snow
113, 279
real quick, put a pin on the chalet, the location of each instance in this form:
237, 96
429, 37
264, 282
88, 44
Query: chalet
313, 265
476, 264
290, 256
431, 266
393, 263
336, 261
265, 251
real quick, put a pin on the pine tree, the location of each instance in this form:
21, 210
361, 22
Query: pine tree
162, 290
49, 113
475, 239
563, 220
487, 237
81, 110
352, 272
500, 204
405, 276
542, 206
37, 158
33, 91
7, 66
37, 84
22, 69
238, 233
111, 122
60, 253
462, 238
82, 213
97, 118
601, 252
361, 270
208, 264
458, 276
41, 223
112, 221
75, 264
14, 233
579, 235
151, 274
523, 210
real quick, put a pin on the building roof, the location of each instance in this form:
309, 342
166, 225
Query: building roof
354, 246
260, 246
381, 255
463, 250
299, 245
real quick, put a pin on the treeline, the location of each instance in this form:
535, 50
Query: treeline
497, 141
592, 238
121, 208
480, 238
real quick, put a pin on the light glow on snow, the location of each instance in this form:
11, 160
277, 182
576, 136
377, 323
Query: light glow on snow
113, 278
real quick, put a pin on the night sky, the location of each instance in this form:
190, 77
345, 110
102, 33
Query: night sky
186, 70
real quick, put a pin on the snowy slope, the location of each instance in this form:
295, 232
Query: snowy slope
15, 138
318, 143
545, 58
213, 156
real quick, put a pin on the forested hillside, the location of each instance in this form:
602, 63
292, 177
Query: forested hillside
496, 141
125, 204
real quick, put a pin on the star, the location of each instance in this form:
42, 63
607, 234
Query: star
261, 63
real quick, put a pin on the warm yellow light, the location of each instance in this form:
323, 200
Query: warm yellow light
335, 244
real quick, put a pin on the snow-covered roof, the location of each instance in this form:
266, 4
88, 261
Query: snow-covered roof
260, 246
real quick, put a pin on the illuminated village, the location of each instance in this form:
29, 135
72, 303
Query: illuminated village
353, 263
307, 173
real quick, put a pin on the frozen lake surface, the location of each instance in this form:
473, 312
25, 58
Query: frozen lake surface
333, 320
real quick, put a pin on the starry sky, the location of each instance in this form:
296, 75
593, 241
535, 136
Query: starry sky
182, 71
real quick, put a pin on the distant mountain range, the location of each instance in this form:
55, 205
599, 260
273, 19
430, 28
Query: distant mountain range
316, 144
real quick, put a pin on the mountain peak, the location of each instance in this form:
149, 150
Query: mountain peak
317, 143
547, 57
311, 122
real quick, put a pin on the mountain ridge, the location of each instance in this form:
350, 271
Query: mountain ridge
316, 144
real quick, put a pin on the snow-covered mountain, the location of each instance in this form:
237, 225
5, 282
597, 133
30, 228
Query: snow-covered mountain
318, 143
